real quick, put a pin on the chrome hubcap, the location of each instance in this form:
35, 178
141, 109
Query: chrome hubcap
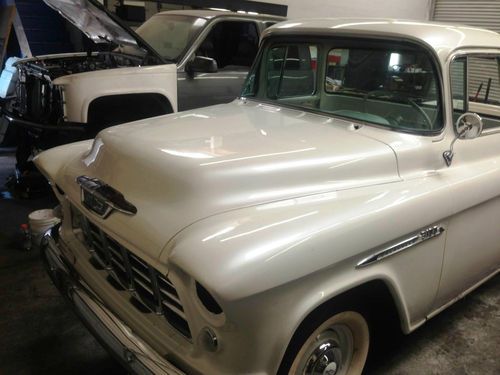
331, 369
331, 352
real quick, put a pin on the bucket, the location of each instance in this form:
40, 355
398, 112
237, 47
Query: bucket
40, 222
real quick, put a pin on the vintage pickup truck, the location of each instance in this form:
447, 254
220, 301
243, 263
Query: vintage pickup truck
177, 60
356, 179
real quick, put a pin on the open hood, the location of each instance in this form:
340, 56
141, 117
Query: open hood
93, 21
98, 24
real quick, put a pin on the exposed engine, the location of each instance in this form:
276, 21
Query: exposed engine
34, 105
38, 99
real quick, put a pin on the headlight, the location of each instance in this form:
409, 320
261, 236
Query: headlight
207, 300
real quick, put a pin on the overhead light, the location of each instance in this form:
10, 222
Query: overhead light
241, 12
219, 9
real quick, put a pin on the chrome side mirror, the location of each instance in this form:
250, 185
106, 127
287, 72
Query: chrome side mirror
468, 126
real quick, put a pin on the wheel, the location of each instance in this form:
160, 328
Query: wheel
339, 346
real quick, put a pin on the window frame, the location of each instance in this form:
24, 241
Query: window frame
466, 53
205, 31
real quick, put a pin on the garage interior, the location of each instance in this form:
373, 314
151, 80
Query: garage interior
40, 334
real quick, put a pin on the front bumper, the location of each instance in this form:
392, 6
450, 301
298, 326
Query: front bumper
134, 354
73, 127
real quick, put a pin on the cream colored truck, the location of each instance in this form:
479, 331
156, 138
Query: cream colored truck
351, 182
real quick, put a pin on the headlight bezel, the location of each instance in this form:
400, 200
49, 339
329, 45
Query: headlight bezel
207, 300
213, 320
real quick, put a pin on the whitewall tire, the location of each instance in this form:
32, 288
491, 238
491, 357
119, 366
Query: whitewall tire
339, 346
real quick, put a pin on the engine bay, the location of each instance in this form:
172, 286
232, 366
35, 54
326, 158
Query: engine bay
54, 67
37, 104
36, 97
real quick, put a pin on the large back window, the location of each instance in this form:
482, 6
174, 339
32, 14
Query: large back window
381, 82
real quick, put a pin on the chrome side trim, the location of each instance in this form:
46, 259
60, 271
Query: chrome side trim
414, 240
101, 199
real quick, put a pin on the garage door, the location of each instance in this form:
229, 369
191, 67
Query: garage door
484, 14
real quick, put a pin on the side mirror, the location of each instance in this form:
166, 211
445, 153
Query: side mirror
201, 64
468, 126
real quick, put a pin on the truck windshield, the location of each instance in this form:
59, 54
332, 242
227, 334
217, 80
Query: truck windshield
386, 83
170, 35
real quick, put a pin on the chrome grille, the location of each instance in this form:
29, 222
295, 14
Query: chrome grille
146, 285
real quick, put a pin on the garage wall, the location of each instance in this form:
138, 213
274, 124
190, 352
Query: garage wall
407, 9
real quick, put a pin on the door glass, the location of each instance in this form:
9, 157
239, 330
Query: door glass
232, 44
476, 87
458, 86
483, 81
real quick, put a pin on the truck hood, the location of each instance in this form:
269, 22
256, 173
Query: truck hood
180, 168
98, 24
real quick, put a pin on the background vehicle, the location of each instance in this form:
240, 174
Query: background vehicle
350, 184
175, 61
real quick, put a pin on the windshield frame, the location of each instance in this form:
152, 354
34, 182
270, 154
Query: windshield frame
324, 41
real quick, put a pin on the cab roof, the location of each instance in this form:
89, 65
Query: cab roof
210, 14
442, 37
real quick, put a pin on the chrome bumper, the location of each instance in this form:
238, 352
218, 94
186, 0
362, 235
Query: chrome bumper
134, 354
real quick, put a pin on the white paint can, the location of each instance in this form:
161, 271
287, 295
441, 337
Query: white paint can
40, 221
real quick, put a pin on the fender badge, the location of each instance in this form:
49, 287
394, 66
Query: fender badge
102, 199
414, 240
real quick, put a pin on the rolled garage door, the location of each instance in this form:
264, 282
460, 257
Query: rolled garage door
483, 14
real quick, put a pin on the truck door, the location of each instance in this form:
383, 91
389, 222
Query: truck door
472, 250
233, 44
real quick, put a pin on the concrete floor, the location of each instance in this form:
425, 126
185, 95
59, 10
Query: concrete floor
39, 334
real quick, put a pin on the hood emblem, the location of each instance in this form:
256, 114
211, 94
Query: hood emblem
102, 199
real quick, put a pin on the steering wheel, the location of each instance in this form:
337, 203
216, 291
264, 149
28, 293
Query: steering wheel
420, 110
392, 120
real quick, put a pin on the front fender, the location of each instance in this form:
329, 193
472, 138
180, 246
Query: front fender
310, 246
82, 88
51, 162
